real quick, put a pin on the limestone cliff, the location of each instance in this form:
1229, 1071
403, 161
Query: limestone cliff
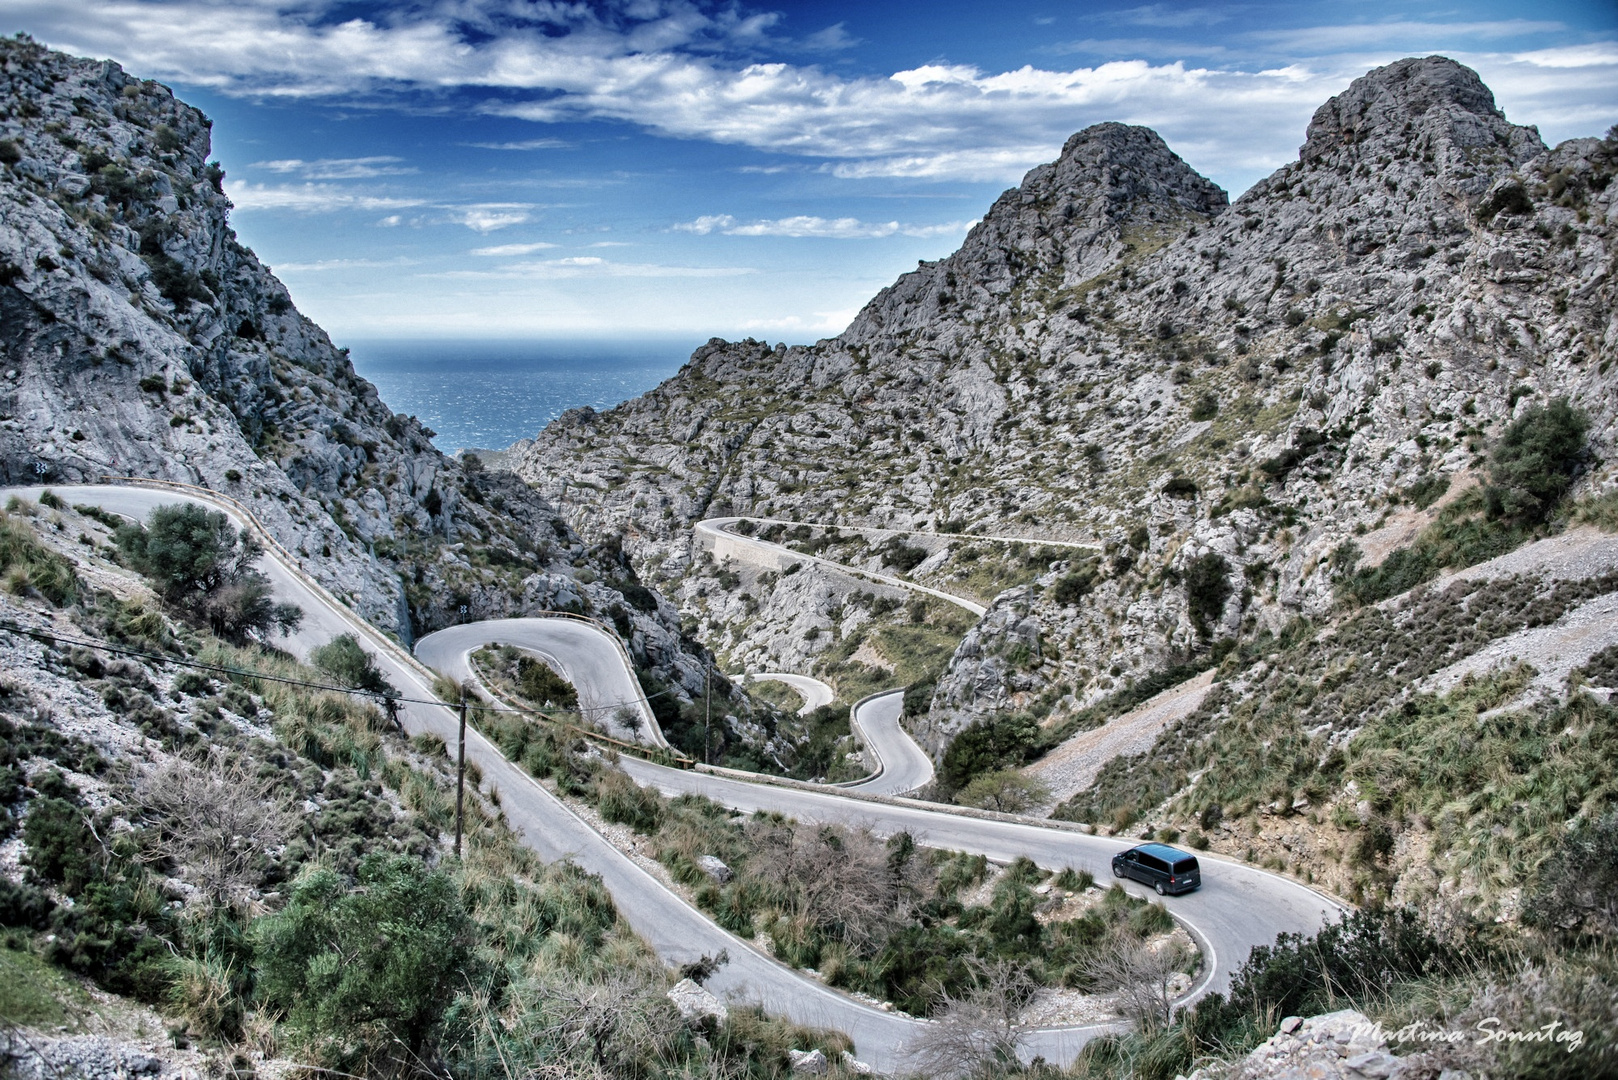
1114, 353
141, 338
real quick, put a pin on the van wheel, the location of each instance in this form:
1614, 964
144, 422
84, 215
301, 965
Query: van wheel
1159, 888
1117, 872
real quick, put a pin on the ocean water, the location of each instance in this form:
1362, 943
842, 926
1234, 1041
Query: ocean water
489, 394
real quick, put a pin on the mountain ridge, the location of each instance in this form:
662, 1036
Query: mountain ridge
1259, 385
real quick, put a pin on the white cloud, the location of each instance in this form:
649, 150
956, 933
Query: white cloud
805, 225
322, 265
584, 266
822, 323
524, 144
488, 217
309, 198
705, 224
668, 67
833, 38
500, 250
338, 168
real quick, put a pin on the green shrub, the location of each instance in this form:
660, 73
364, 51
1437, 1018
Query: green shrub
1206, 407
364, 971
344, 660
29, 566
988, 745
625, 802
61, 847
1577, 888
1533, 465
1075, 585
901, 556
1207, 588
1359, 956
1426, 491
537, 682
202, 566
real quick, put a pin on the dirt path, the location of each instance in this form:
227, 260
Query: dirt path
1553, 650
1073, 765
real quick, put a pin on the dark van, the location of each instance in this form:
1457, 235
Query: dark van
1168, 870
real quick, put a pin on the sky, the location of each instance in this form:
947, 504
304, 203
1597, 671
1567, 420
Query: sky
548, 168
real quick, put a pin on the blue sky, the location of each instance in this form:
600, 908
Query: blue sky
540, 168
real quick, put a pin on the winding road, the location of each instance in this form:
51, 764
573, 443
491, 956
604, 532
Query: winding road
1238, 906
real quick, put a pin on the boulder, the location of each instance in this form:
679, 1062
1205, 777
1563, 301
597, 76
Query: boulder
695, 1003
808, 1062
715, 868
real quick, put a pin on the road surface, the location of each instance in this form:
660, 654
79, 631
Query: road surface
1237, 907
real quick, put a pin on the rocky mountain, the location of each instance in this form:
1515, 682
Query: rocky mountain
1245, 404
141, 338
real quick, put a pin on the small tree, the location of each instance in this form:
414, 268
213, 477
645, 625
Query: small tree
1140, 975
217, 823
1005, 790
200, 564
1207, 588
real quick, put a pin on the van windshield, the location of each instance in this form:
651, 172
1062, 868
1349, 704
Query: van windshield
1185, 866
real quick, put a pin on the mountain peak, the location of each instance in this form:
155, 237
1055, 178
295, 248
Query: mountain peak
1433, 93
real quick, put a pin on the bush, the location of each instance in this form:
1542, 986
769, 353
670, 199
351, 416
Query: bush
1510, 198
202, 566
901, 556
919, 697
986, 746
1075, 586
344, 660
1005, 790
29, 566
622, 800
1577, 890
1207, 588
537, 682
363, 971
1359, 957
1426, 491
1534, 463
1206, 407
61, 847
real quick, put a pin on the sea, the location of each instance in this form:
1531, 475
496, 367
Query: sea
486, 394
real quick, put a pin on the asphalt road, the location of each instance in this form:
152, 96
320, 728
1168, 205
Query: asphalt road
777, 554
1237, 907
902, 765
582, 652
814, 692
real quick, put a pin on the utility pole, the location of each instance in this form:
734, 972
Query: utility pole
460, 775
707, 721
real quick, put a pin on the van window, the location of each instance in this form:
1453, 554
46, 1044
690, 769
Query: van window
1154, 863
1185, 866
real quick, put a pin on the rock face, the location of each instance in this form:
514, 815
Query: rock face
1342, 1045
1114, 353
140, 338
